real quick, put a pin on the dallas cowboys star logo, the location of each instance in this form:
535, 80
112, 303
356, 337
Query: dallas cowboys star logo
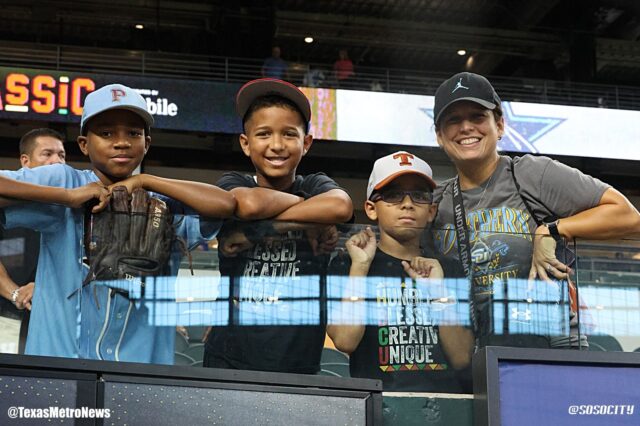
521, 131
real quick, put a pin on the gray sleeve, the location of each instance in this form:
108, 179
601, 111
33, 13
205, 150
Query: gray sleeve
441, 189
553, 188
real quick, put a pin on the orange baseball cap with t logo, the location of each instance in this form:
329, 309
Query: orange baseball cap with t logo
387, 168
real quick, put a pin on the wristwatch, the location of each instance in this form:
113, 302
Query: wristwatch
553, 229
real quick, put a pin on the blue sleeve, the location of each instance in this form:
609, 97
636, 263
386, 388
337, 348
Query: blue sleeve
189, 226
195, 230
59, 175
37, 216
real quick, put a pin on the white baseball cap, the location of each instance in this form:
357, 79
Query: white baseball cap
114, 96
387, 168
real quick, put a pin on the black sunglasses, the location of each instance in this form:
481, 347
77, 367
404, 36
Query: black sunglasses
395, 196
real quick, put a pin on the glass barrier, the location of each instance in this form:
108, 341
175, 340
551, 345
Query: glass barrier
608, 278
319, 299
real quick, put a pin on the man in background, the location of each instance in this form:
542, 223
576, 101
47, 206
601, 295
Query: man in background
19, 248
274, 66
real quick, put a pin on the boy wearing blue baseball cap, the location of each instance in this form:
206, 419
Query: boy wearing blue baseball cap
97, 322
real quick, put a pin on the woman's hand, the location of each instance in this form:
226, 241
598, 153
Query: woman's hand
544, 264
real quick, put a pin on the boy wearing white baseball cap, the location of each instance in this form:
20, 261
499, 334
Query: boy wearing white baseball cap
69, 320
400, 346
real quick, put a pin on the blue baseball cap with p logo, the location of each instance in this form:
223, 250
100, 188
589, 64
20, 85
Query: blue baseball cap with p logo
114, 96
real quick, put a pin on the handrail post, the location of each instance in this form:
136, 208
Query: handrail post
388, 86
58, 58
144, 56
226, 69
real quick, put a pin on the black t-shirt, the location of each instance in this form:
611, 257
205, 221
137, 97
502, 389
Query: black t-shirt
19, 249
403, 349
263, 280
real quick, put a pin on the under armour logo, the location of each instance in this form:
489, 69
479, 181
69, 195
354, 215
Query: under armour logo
116, 94
521, 315
404, 157
459, 86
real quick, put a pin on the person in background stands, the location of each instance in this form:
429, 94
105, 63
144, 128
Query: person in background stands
343, 69
274, 66
38, 147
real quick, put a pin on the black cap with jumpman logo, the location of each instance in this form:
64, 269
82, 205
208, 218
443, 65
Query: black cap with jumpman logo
464, 86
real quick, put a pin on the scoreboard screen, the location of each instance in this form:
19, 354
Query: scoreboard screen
41, 93
55, 96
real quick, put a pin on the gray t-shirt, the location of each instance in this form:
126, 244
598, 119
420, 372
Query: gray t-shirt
499, 223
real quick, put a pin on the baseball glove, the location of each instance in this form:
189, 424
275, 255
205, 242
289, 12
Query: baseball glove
131, 239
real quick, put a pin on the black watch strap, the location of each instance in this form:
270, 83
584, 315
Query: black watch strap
553, 229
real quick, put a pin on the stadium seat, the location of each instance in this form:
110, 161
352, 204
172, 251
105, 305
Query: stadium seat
181, 343
607, 342
594, 347
337, 369
518, 340
195, 333
334, 363
195, 351
182, 359
333, 355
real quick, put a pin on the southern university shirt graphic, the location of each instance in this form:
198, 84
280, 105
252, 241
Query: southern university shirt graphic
501, 244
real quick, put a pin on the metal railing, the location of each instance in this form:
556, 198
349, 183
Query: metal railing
232, 69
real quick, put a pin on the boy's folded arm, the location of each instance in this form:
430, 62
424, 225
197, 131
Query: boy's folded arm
6, 202
262, 203
333, 206
207, 200
14, 192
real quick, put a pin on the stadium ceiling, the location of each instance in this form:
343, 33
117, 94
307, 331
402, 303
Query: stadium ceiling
583, 40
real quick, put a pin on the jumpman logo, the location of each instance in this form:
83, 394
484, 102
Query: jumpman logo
459, 86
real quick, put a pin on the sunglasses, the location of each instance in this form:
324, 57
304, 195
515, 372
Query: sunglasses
395, 196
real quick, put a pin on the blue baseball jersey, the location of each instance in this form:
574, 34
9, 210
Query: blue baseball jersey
96, 321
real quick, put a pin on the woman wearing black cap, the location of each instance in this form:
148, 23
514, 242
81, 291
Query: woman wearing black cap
511, 204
